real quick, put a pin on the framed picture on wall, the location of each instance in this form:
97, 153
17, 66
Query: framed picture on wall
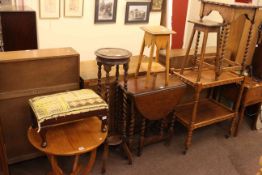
137, 12
73, 8
156, 5
49, 9
105, 11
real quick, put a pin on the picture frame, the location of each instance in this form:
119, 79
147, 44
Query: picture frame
73, 8
156, 5
137, 12
105, 11
49, 9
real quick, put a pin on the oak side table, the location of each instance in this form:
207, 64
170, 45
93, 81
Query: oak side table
109, 57
203, 112
72, 139
152, 102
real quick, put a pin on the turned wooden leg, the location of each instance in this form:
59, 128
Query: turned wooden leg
250, 34
188, 51
99, 75
194, 59
110, 120
234, 127
132, 125
105, 156
167, 62
239, 121
223, 46
171, 129
162, 127
188, 139
91, 163
202, 57
125, 106
142, 135
56, 170
127, 153
140, 58
217, 65
43, 137
193, 118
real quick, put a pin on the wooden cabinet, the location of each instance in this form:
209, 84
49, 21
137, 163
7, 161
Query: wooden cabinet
23, 75
19, 31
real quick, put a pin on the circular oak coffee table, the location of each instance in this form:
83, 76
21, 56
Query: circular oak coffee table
72, 139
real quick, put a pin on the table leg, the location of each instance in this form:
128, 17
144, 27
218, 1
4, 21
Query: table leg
140, 57
76, 167
105, 156
150, 63
125, 106
171, 129
217, 65
250, 33
91, 162
99, 76
56, 170
194, 59
188, 51
192, 122
110, 120
224, 38
142, 136
202, 57
132, 125
167, 61
237, 119
240, 118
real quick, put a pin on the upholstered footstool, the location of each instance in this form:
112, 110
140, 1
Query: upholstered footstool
66, 107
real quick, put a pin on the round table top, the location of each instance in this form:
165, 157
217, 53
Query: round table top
70, 139
117, 55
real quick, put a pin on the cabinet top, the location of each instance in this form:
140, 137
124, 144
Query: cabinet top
13, 8
36, 54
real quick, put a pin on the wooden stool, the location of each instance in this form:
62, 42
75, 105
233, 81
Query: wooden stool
66, 107
206, 27
72, 139
109, 57
158, 36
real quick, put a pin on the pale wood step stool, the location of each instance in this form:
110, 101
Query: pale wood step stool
206, 27
158, 36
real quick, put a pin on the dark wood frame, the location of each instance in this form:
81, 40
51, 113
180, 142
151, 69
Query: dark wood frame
113, 20
154, 9
74, 16
43, 17
128, 4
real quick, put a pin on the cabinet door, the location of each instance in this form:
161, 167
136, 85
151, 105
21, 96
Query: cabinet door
19, 30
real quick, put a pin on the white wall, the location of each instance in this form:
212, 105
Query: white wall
85, 36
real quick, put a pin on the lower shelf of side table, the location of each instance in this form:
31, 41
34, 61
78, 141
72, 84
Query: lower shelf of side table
208, 112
